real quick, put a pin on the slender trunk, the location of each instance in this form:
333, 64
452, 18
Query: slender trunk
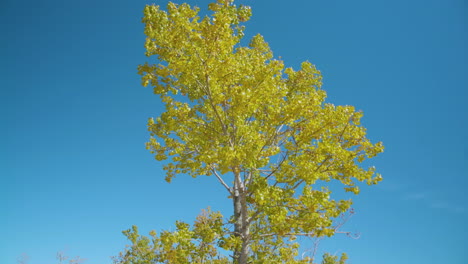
241, 228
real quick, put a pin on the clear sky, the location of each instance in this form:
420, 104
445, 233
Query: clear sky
75, 173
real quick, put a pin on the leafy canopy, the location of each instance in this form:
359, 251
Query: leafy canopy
264, 131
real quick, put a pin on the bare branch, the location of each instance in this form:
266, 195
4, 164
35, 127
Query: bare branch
220, 179
349, 234
283, 158
345, 219
289, 234
248, 178
314, 249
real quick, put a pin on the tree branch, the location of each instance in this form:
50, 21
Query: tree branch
288, 234
220, 179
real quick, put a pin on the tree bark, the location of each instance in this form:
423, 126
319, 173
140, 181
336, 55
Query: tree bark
241, 228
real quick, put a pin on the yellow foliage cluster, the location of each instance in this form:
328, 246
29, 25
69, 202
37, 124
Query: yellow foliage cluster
265, 131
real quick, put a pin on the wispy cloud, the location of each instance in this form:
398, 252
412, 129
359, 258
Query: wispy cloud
415, 196
390, 186
426, 198
448, 207
432, 203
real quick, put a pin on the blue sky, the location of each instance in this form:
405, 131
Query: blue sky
75, 173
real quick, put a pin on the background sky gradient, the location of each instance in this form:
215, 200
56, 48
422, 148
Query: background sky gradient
75, 172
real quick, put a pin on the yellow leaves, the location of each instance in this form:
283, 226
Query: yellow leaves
244, 13
353, 189
259, 44
305, 81
186, 244
214, 6
235, 110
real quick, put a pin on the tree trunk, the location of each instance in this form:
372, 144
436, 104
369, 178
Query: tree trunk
241, 228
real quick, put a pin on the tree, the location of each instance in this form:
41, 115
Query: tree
23, 259
63, 258
265, 132
329, 259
